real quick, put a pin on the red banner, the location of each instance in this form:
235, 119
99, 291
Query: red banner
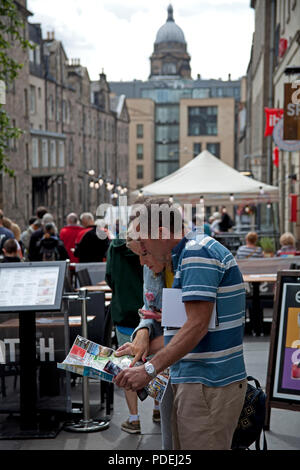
276, 157
283, 43
293, 207
272, 117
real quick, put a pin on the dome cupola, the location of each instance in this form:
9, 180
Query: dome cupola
170, 32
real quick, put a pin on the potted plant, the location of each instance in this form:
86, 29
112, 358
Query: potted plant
268, 246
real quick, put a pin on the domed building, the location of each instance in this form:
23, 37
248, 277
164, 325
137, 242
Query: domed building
170, 58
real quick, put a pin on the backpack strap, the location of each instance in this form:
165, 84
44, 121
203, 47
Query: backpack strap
249, 378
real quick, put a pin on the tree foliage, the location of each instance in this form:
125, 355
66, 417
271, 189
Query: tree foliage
11, 35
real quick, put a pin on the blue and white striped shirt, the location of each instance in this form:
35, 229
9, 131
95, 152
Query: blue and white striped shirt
207, 271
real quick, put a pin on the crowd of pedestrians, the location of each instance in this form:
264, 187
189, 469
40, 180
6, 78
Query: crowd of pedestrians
203, 400
77, 241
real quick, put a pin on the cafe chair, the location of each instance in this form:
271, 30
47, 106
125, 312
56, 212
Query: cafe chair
84, 278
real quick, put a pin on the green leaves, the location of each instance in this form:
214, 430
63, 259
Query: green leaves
11, 35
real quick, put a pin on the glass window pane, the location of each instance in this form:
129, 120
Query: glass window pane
163, 169
214, 148
140, 130
140, 151
197, 148
166, 152
202, 120
61, 157
45, 161
53, 153
139, 171
35, 153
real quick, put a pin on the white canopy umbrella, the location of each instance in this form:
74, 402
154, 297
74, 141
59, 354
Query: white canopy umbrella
213, 179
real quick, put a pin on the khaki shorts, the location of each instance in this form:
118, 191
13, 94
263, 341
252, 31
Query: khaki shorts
205, 418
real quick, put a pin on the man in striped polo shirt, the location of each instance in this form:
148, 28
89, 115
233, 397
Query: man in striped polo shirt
207, 365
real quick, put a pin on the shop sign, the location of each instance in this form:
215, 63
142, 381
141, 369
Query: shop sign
286, 145
291, 129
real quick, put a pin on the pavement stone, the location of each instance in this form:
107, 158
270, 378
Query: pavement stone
283, 434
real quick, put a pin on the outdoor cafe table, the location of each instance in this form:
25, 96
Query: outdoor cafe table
256, 319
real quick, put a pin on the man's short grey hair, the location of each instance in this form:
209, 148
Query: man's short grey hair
47, 218
86, 216
72, 218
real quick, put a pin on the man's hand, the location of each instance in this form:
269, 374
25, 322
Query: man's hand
132, 379
139, 348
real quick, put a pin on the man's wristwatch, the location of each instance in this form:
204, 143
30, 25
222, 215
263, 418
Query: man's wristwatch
150, 369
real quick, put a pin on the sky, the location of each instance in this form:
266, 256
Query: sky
118, 35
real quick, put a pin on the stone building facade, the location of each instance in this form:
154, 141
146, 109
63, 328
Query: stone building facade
70, 131
275, 48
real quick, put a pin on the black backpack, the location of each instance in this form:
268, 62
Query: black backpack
49, 250
252, 418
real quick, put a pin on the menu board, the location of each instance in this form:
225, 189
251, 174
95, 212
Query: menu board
31, 286
283, 375
287, 366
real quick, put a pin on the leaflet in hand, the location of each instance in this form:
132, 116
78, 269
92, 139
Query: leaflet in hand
92, 360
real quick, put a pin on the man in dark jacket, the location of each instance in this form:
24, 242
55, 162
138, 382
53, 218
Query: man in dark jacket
124, 274
91, 248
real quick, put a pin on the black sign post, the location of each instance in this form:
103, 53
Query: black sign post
283, 377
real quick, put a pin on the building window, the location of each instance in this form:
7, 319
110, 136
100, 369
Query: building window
140, 151
64, 111
163, 169
26, 156
15, 192
32, 99
139, 171
214, 148
45, 161
53, 153
169, 68
197, 147
202, 120
31, 53
26, 101
61, 154
140, 131
71, 152
39, 92
35, 153
57, 109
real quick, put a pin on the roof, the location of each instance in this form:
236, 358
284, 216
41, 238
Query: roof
170, 31
116, 104
213, 179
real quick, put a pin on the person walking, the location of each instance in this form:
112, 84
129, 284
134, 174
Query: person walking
34, 224
207, 366
90, 248
69, 233
124, 275
34, 249
5, 233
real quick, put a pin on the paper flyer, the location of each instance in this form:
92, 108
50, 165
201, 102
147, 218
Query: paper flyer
88, 359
